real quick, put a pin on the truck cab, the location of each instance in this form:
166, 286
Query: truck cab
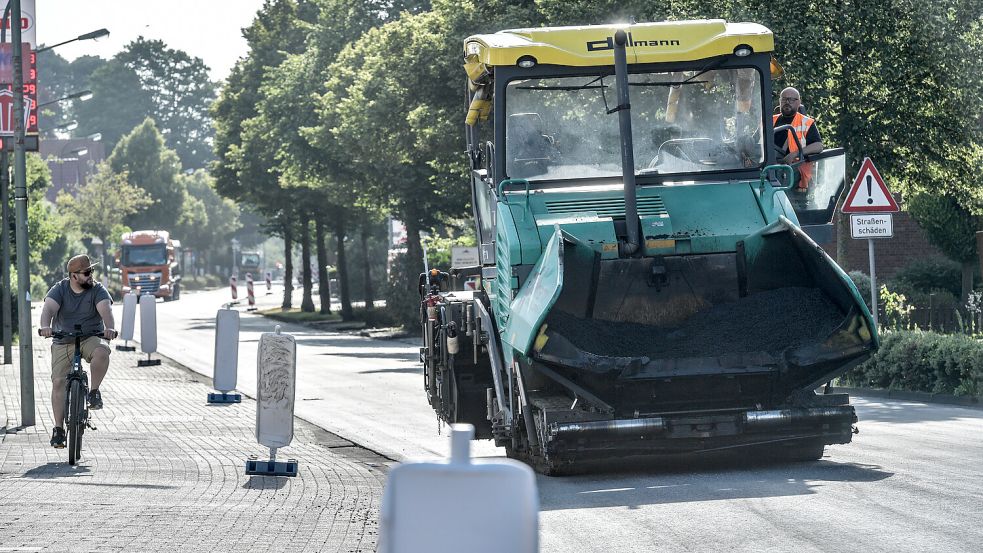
148, 263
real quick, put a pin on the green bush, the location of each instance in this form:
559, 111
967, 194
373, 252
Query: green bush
923, 362
928, 275
862, 282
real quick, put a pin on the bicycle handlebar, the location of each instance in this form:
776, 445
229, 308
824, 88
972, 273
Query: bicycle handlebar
77, 334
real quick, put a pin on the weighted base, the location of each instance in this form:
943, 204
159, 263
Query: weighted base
224, 398
147, 362
251, 309
126, 348
272, 468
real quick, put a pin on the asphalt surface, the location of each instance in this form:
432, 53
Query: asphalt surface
909, 482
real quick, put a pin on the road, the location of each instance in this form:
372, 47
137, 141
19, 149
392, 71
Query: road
909, 482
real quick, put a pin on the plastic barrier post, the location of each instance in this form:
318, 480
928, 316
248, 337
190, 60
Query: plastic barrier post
485, 505
235, 291
276, 384
226, 357
269, 283
148, 330
250, 294
129, 321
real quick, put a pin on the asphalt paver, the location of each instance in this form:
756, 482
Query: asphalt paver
165, 471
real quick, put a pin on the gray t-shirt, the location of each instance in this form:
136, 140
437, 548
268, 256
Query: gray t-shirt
77, 309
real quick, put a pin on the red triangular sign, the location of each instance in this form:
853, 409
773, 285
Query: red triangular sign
869, 193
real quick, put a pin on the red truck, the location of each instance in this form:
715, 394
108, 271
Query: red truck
148, 262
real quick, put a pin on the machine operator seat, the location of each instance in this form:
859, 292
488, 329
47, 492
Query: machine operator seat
530, 148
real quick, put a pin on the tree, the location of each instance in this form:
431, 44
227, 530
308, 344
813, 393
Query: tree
181, 93
119, 103
221, 217
102, 204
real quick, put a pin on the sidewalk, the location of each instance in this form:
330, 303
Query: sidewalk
165, 471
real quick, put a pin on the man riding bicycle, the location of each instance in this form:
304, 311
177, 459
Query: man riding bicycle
77, 300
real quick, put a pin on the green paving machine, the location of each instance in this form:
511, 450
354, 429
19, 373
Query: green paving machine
650, 281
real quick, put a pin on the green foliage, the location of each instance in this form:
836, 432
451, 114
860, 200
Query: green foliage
150, 165
119, 103
897, 310
862, 282
923, 362
929, 275
102, 204
181, 92
439, 248
402, 295
219, 217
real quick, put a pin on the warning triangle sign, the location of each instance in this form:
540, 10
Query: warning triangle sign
869, 193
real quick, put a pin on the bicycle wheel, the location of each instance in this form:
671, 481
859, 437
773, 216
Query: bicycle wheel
76, 407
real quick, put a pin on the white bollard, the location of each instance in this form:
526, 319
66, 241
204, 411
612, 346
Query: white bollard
494, 505
128, 322
148, 329
276, 384
226, 357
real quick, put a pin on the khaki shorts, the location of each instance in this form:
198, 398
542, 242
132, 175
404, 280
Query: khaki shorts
61, 355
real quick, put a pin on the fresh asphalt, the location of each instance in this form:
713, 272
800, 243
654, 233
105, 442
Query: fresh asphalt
909, 482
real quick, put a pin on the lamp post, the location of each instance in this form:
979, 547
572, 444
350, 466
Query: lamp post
20, 234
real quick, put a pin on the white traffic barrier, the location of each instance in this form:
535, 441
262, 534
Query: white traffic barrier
250, 294
232, 285
128, 322
276, 385
269, 282
226, 367
148, 329
485, 505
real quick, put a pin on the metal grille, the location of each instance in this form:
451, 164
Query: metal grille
610, 207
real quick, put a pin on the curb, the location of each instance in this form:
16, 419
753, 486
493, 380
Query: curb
924, 397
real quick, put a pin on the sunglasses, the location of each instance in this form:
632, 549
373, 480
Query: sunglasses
87, 272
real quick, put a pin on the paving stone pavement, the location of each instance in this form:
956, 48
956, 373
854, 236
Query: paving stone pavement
165, 471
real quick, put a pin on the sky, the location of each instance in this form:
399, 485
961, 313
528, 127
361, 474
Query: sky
208, 29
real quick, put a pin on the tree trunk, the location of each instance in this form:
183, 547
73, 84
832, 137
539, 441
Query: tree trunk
967, 281
324, 282
306, 304
369, 294
343, 292
288, 267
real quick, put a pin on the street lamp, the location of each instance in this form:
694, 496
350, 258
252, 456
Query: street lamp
87, 36
81, 95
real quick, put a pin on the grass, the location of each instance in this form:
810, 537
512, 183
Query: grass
295, 315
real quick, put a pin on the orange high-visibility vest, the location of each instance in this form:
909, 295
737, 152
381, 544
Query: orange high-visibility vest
800, 124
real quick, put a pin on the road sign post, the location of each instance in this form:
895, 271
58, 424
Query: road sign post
870, 205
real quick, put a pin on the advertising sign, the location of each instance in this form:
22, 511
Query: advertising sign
29, 45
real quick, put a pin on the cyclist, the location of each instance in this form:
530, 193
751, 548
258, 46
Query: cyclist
77, 300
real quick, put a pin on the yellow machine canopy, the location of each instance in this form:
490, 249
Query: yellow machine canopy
593, 45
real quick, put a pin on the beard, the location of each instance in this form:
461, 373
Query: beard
87, 284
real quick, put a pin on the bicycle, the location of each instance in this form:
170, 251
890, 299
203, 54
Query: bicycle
77, 385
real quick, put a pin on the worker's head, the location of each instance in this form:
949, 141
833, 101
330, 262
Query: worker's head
80, 270
789, 101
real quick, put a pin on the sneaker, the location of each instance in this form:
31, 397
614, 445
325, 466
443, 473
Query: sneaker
95, 400
58, 438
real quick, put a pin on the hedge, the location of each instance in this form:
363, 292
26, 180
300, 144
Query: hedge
921, 361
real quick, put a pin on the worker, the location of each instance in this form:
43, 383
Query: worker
805, 129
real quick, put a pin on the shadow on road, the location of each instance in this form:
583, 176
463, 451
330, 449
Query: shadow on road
687, 480
410, 370
265, 483
59, 469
